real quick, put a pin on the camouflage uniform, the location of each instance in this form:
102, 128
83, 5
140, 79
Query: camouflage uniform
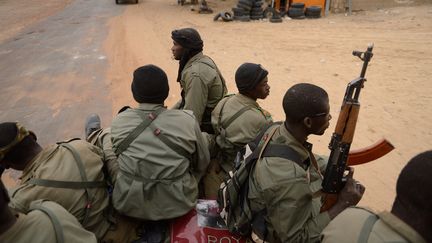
38, 227
246, 118
202, 87
158, 179
286, 191
357, 223
57, 163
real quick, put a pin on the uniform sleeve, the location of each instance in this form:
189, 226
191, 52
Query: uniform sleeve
290, 212
110, 158
196, 94
202, 158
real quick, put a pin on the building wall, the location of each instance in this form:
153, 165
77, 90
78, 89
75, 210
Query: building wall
375, 4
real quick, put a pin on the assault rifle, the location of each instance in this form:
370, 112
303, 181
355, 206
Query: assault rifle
340, 156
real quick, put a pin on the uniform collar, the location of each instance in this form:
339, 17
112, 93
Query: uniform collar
287, 138
401, 227
199, 55
149, 106
247, 100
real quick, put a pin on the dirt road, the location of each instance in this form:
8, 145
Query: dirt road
396, 100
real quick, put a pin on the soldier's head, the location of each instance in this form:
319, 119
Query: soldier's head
18, 146
150, 85
251, 80
413, 203
307, 105
186, 43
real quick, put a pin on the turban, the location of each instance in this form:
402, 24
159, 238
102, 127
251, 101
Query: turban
188, 38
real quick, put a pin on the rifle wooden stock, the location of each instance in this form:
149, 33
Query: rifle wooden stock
347, 120
358, 157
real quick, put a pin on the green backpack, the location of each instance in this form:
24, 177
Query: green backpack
233, 193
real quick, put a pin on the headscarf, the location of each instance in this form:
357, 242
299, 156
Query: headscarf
15, 133
191, 41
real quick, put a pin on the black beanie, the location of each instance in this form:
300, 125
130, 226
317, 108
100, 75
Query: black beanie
188, 38
150, 85
249, 75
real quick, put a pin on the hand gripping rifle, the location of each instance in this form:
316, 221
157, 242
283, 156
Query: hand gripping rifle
340, 156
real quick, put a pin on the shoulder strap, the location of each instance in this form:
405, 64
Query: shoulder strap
283, 151
54, 220
367, 228
173, 146
84, 184
138, 130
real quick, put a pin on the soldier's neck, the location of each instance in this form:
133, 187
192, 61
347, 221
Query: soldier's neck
296, 130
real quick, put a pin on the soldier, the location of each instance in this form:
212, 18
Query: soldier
201, 81
284, 192
410, 219
68, 173
237, 120
45, 222
162, 154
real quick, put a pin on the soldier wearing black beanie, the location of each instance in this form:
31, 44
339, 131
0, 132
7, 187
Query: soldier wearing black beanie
150, 85
249, 75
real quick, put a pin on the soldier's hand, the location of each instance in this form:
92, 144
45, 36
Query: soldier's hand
352, 192
350, 195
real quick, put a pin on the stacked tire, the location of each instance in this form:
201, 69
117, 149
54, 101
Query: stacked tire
248, 9
313, 12
296, 11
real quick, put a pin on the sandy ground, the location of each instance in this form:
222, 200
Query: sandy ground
396, 100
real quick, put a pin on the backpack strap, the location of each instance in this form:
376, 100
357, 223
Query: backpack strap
367, 228
147, 120
84, 184
158, 133
223, 127
54, 220
283, 151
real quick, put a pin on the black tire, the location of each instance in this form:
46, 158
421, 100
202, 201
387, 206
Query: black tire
268, 12
295, 12
244, 6
297, 5
239, 12
258, 4
246, 2
313, 11
136, 1
226, 16
216, 17
117, 1
244, 18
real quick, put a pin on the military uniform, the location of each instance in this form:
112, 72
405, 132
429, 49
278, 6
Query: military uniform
160, 169
236, 120
360, 225
102, 139
58, 164
37, 226
285, 192
202, 87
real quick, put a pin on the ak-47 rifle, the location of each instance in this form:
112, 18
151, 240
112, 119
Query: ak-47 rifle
340, 156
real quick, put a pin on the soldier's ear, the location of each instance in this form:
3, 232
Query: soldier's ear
307, 121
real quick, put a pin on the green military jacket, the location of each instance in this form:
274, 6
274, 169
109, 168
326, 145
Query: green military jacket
155, 181
203, 86
285, 190
352, 225
57, 163
236, 120
37, 227
102, 139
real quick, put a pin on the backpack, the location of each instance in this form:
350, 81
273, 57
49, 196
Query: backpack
233, 193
